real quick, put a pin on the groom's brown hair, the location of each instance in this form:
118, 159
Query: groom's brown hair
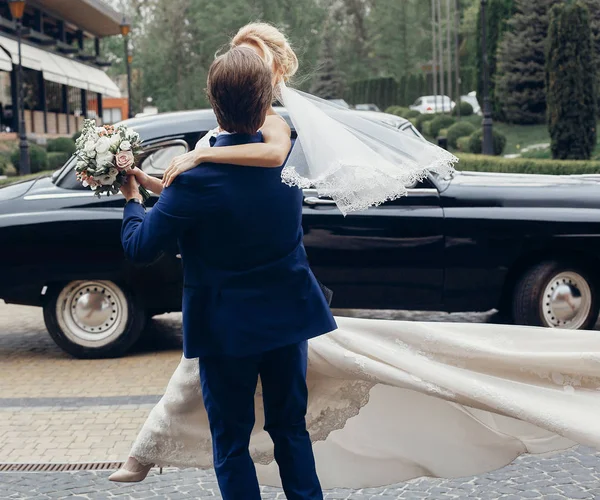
240, 90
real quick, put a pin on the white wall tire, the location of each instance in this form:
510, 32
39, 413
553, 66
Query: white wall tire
555, 294
93, 319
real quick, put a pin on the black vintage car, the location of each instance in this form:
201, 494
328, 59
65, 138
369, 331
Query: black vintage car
528, 246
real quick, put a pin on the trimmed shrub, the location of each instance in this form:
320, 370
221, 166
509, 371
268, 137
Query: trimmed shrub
394, 110
481, 163
411, 113
427, 128
458, 130
441, 122
421, 119
443, 133
57, 159
38, 159
465, 109
519, 81
570, 80
61, 145
476, 142
462, 144
4, 163
398, 111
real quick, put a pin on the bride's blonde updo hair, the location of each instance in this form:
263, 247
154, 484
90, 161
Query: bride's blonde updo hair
274, 45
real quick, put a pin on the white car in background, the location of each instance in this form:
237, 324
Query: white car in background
471, 98
367, 107
430, 104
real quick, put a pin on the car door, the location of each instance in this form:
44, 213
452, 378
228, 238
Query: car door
387, 257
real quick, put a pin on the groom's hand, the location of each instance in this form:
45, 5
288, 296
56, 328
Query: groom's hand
131, 189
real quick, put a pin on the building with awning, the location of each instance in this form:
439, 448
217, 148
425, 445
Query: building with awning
64, 78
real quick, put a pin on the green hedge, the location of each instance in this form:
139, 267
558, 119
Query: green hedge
481, 163
465, 109
38, 158
462, 144
441, 122
422, 119
57, 159
61, 145
5, 163
458, 130
476, 142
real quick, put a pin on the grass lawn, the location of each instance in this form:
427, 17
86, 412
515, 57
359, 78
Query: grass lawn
12, 180
522, 136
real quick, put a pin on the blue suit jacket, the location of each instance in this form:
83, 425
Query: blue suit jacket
248, 287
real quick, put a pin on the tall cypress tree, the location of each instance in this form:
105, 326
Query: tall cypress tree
521, 75
498, 13
328, 82
570, 82
594, 10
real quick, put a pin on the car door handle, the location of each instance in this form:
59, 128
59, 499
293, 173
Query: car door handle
313, 200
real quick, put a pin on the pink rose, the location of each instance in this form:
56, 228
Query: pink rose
124, 160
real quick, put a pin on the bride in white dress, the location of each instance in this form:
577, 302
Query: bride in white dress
390, 400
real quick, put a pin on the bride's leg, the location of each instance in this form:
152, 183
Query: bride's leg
173, 431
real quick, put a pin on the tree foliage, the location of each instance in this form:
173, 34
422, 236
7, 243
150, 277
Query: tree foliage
328, 83
520, 84
570, 82
498, 13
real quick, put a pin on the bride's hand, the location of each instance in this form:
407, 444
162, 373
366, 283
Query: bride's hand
140, 176
180, 164
148, 182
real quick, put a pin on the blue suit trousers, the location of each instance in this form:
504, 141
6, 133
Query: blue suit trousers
228, 387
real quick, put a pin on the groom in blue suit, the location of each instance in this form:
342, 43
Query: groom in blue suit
250, 300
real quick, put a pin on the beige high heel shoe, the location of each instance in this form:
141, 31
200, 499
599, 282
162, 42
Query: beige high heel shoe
131, 472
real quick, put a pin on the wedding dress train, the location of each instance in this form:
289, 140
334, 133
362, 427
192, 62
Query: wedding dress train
393, 400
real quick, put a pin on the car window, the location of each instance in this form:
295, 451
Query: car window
418, 102
158, 161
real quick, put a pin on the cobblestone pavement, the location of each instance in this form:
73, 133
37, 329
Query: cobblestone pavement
572, 475
56, 409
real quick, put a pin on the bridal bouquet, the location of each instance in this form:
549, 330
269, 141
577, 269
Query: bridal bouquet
105, 154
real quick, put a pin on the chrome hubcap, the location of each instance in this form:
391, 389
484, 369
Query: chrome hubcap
92, 313
567, 301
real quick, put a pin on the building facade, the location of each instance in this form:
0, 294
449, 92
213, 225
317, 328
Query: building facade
64, 78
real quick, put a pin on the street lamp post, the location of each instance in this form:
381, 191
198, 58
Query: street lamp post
17, 9
488, 137
125, 29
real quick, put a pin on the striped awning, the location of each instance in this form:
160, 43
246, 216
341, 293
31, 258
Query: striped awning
56, 68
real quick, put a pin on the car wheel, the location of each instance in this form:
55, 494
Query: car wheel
556, 295
93, 319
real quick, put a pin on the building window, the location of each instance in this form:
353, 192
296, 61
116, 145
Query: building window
54, 97
6, 108
75, 101
31, 89
111, 115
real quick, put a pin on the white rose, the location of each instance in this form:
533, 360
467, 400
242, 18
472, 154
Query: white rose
107, 179
81, 164
89, 147
125, 146
114, 140
102, 146
104, 159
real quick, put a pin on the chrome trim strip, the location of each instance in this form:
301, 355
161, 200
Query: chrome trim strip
312, 193
60, 196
